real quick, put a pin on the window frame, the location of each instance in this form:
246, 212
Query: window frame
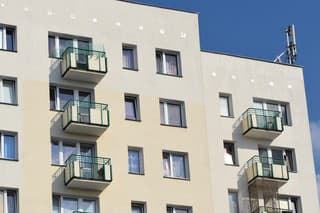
139, 204
6, 78
3, 28
5, 198
174, 207
2, 151
289, 198
136, 101
234, 191
185, 156
57, 36
76, 92
141, 160
227, 96
165, 103
134, 49
79, 200
264, 102
235, 156
163, 54
78, 144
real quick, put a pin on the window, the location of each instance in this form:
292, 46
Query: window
289, 204
288, 155
175, 165
225, 105
138, 207
8, 201
8, 146
60, 96
72, 204
132, 107
229, 153
135, 160
281, 107
7, 38
178, 209
8, 91
61, 150
58, 43
172, 113
168, 62
129, 57
233, 202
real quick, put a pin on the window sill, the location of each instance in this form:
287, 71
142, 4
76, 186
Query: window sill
160, 73
232, 165
9, 159
10, 51
56, 110
223, 116
176, 178
129, 119
295, 172
130, 69
53, 57
169, 125
133, 173
4, 103
58, 165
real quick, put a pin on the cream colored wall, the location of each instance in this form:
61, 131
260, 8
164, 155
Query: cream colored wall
33, 174
234, 75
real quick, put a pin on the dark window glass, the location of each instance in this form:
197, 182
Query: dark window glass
12, 201
65, 96
229, 155
54, 152
64, 43
284, 114
10, 39
52, 46
128, 58
131, 108
159, 59
9, 147
53, 98
134, 161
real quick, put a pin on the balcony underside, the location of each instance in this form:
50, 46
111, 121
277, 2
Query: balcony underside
262, 133
79, 183
85, 128
267, 182
76, 74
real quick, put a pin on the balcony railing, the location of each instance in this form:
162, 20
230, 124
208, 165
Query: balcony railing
260, 123
264, 209
83, 65
88, 172
85, 117
265, 167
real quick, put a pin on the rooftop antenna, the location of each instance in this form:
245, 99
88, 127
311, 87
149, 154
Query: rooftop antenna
291, 51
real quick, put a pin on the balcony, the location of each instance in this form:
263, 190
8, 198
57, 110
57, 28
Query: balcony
261, 124
83, 65
87, 172
266, 171
264, 209
87, 118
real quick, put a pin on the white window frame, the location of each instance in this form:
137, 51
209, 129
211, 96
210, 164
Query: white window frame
2, 145
78, 149
136, 99
141, 160
5, 199
164, 67
79, 200
3, 28
166, 113
75, 94
279, 103
2, 93
135, 56
229, 104
186, 164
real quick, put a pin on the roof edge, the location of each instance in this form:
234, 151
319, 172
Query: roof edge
155, 6
251, 58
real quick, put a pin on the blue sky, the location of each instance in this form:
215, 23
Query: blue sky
256, 29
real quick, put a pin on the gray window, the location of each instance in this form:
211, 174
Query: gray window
168, 62
233, 202
135, 160
172, 113
73, 204
132, 107
225, 102
8, 201
8, 38
8, 146
230, 157
129, 57
178, 209
8, 92
138, 207
175, 165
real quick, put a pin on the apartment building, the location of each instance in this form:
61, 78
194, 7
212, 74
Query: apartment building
112, 107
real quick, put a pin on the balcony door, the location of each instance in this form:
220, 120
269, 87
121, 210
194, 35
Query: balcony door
266, 164
84, 107
87, 161
83, 52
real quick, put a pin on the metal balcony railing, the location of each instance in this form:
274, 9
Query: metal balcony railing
88, 168
261, 119
266, 167
85, 113
83, 59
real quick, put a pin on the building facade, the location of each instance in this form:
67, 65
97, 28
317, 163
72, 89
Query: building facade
113, 107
